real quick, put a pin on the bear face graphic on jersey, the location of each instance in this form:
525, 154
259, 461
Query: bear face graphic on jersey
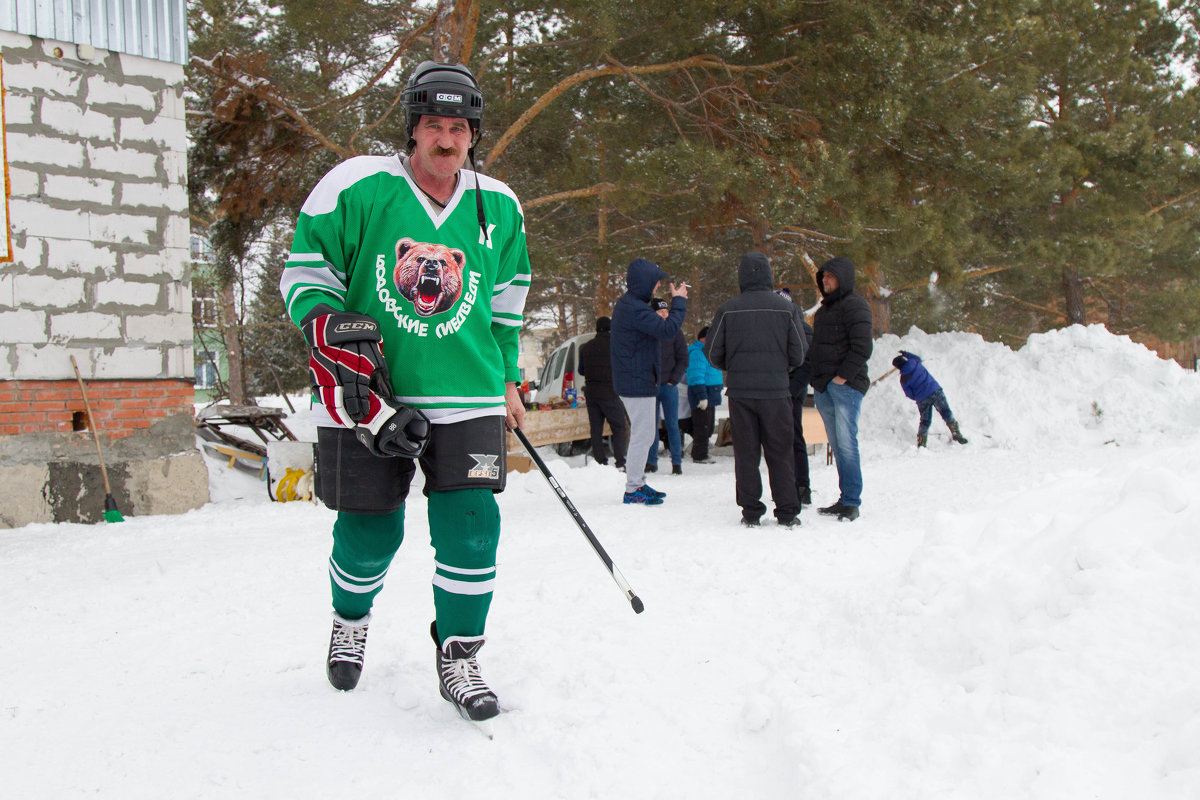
430, 276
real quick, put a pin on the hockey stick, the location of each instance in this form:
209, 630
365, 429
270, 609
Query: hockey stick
634, 600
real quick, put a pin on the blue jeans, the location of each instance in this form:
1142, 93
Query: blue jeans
668, 404
838, 406
925, 407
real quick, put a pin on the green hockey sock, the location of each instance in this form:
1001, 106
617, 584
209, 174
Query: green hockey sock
363, 547
464, 528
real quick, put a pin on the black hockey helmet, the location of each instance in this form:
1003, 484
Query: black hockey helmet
443, 90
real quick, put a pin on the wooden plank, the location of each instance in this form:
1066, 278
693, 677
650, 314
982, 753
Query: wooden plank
814, 429
548, 426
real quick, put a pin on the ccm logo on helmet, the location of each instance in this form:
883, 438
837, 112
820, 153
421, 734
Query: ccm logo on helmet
446, 97
347, 327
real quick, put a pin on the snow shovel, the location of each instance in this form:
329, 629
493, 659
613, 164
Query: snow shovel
111, 513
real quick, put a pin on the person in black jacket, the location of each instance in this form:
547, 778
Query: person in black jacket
838, 359
798, 388
673, 363
756, 339
595, 365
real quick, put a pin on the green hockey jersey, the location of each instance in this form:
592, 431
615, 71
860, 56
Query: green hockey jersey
449, 300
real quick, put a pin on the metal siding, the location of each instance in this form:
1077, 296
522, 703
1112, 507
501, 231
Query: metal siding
151, 28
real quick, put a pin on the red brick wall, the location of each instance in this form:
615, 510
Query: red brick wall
119, 408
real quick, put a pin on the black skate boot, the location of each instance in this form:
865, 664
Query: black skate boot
347, 647
459, 679
958, 437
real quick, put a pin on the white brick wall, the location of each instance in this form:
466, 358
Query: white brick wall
136, 66
23, 182
98, 216
159, 132
131, 361
18, 109
123, 228
77, 189
85, 325
127, 293
154, 195
172, 262
36, 219
22, 326
73, 255
45, 291
73, 120
26, 149
47, 78
102, 91
122, 161
158, 328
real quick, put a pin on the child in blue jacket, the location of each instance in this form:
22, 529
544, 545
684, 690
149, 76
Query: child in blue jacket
920, 387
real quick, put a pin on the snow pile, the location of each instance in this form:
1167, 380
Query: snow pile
1071, 386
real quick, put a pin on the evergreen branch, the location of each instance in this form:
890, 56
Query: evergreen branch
401, 48
570, 194
271, 97
1171, 202
581, 76
1054, 312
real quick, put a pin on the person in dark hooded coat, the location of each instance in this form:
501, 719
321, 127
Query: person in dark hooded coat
637, 365
756, 338
840, 348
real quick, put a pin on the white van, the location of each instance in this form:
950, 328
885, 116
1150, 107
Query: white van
562, 370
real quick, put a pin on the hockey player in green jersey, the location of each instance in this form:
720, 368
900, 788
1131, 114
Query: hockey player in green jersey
408, 276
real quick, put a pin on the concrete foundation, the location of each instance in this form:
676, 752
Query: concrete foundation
57, 478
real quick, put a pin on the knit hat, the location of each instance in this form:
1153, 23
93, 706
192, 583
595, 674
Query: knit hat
603, 324
703, 333
658, 304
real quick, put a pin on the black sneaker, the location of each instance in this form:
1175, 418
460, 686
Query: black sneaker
459, 680
651, 468
676, 469
805, 495
750, 522
831, 511
347, 648
794, 522
848, 513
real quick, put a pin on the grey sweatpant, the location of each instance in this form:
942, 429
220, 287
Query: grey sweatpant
643, 431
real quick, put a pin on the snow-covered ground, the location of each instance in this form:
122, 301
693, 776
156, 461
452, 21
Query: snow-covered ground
1014, 618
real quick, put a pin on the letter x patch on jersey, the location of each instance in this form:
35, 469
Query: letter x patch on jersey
485, 467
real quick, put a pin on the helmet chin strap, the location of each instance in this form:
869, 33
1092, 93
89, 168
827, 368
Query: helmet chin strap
478, 195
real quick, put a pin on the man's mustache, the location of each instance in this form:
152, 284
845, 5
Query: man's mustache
445, 151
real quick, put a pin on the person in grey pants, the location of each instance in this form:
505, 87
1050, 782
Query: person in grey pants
636, 365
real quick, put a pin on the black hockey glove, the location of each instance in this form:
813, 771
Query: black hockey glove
394, 430
346, 363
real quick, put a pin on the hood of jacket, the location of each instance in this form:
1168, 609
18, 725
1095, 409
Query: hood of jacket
841, 268
641, 278
754, 272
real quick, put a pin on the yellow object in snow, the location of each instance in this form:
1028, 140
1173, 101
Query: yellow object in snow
296, 484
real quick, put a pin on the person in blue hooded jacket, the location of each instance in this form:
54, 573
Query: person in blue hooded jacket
920, 387
704, 395
637, 364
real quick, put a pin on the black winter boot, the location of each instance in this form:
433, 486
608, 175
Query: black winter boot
958, 437
347, 648
458, 676
921, 440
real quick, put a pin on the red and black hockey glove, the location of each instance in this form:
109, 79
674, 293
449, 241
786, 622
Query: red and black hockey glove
351, 380
346, 363
394, 430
